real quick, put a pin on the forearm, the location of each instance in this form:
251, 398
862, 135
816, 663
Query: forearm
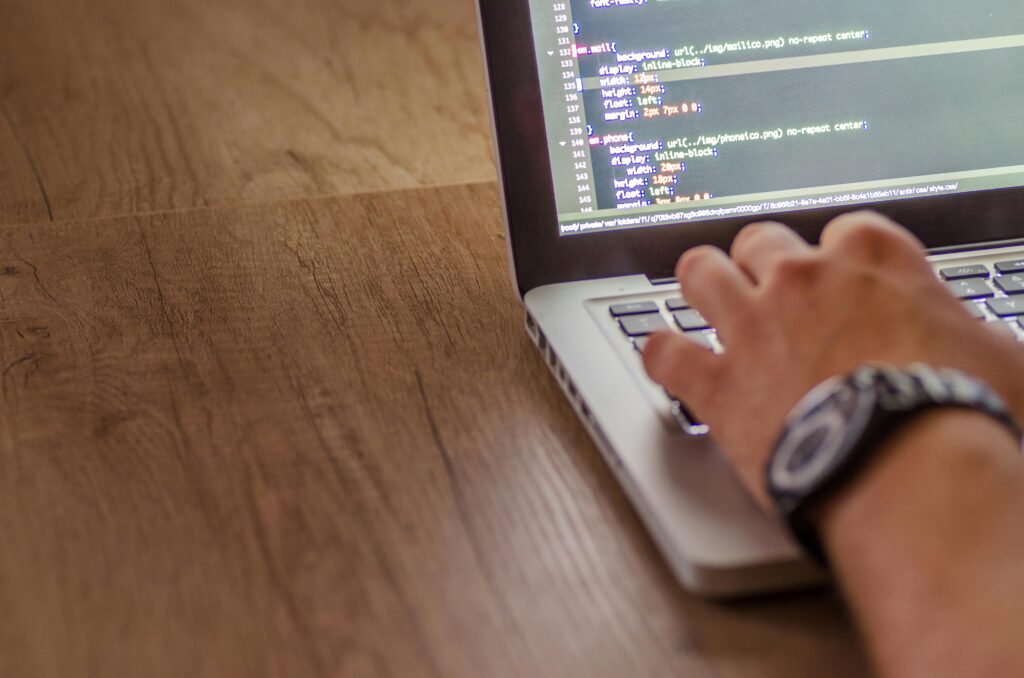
928, 545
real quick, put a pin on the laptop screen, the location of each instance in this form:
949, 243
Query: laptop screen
677, 111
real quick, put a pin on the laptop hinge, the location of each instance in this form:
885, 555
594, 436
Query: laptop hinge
970, 247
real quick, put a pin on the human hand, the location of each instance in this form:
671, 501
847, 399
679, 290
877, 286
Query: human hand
791, 315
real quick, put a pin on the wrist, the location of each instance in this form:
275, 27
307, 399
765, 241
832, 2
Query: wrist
844, 422
926, 545
935, 454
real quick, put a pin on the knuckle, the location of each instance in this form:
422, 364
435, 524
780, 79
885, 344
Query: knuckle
864, 215
867, 235
797, 271
873, 236
695, 260
858, 218
749, 236
864, 283
872, 243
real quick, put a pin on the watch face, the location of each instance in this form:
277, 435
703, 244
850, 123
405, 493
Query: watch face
821, 438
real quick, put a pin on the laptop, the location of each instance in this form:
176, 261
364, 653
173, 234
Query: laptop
628, 131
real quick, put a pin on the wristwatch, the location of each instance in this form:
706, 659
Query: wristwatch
834, 429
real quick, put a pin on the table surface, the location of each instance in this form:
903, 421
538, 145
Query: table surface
267, 404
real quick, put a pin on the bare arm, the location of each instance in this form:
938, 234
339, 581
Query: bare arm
927, 541
928, 547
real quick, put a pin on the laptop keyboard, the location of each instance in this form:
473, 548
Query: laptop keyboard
994, 295
639, 320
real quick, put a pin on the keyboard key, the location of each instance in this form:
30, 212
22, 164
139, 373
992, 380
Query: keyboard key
690, 320
634, 308
1004, 326
975, 310
677, 304
964, 272
1006, 307
1011, 284
640, 343
970, 289
1015, 266
701, 339
642, 325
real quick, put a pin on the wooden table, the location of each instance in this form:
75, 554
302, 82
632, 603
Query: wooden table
267, 406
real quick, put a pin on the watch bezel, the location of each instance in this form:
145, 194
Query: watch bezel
844, 432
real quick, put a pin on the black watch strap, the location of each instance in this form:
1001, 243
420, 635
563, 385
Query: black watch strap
834, 430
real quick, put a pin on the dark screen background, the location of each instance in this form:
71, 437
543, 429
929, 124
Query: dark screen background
926, 115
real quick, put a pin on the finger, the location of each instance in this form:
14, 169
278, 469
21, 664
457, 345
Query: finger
714, 285
759, 247
682, 367
870, 237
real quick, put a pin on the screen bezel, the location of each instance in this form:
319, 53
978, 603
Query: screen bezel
541, 256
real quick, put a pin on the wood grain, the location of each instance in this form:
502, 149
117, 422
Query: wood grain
21, 197
136, 106
313, 439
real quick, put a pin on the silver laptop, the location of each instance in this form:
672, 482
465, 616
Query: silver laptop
630, 130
